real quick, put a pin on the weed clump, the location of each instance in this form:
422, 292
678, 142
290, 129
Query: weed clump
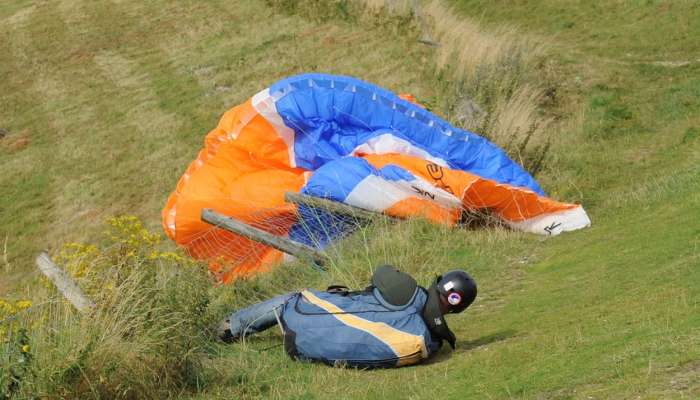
491, 82
144, 339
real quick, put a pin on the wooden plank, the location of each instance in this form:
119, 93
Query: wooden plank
283, 244
329, 205
63, 282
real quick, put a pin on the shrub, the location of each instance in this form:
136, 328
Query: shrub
15, 355
145, 338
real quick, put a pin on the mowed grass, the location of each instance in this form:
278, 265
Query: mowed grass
114, 99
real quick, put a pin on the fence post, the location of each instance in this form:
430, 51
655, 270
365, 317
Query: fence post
63, 282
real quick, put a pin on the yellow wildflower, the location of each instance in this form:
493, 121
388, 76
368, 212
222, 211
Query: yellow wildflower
25, 348
6, 308
23, 304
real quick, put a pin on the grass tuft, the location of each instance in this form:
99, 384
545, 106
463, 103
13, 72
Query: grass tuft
145, 338
489, 81
498, 70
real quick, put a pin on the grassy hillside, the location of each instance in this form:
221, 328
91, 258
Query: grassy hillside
106, 103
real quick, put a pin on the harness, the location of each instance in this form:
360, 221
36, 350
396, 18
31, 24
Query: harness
380, 326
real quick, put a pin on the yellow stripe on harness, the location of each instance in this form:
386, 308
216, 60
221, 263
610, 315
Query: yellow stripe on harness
408, 348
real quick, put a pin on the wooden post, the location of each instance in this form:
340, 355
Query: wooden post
286, 245
67, 286
328, 205
426, 39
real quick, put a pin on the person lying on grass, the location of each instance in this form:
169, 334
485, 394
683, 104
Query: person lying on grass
393, 322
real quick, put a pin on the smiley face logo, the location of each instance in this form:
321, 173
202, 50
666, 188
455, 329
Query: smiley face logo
454, 298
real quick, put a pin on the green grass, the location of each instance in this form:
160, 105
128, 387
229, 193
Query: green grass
114, 100
106, 92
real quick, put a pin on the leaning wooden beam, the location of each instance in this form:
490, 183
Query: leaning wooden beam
329, 205
288, 246
67, 286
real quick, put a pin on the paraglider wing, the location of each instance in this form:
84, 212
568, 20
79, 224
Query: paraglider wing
353, 142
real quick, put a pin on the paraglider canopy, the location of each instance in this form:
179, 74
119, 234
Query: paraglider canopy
352, 142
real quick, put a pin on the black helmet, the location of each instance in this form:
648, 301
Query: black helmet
458, 288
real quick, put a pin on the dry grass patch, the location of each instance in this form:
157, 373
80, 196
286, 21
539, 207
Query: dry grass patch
13, 143
488, 81
498, 71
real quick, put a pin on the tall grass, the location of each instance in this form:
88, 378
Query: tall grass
498, 69
150, 335
145, 338
489, 81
